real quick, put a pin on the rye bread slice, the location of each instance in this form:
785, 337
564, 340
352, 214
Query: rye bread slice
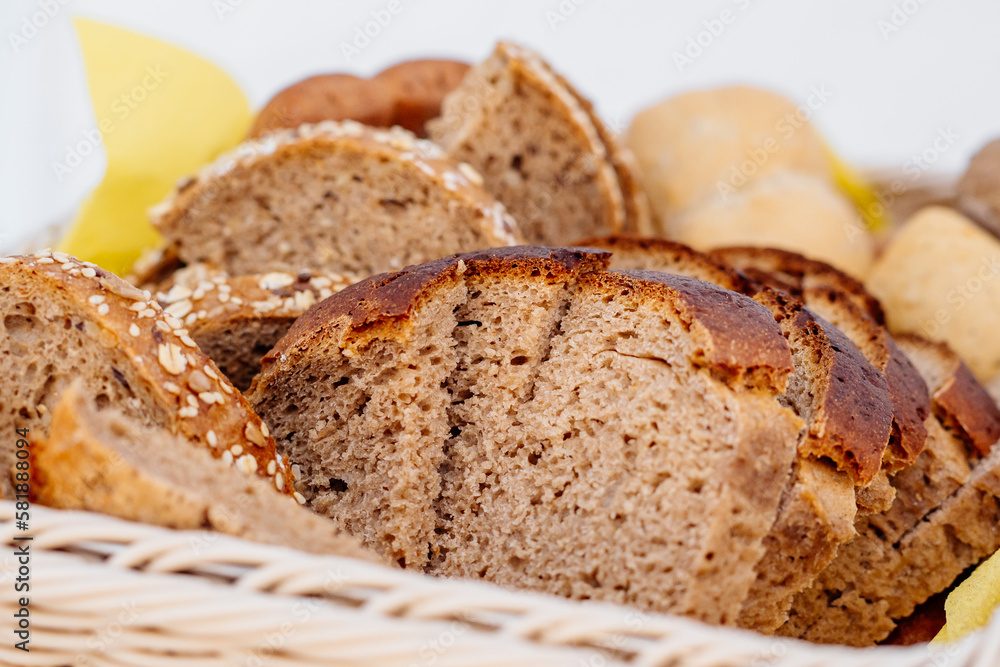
65, 320
336, 197
945, 519
526, 417
541, 149
105, 461
845, 404
237, 320
843, 301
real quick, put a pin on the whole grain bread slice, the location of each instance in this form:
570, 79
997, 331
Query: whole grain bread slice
336, 197
105, 461
541, 149
946, 516
237, 320
845, 404
63, 319
524, 416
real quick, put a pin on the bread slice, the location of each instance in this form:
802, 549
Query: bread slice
331, 198
541, 149
845, 302
946, 517
104, 461
524, 416
65, 320
845, 404
237, 320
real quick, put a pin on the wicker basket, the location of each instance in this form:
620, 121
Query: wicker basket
111, 592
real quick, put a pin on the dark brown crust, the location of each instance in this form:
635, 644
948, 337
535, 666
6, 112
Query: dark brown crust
851, 425
740, 336
388, 298
418, 87
911, 405
961, 403
670, 253
792, 272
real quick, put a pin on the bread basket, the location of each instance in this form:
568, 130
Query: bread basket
110, 592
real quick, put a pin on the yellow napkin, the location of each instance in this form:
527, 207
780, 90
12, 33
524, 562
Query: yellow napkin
163, 113
970, 606
857, 187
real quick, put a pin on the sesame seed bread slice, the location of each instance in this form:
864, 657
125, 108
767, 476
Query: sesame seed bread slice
526, 417
335, 197
945, 519
237, 320
64, 320
845, 404
104, 461
541, 149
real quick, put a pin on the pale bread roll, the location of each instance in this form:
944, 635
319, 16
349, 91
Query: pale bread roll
787, 210
940, 276
691, 146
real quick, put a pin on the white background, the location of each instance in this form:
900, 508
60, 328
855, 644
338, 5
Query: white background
893, 90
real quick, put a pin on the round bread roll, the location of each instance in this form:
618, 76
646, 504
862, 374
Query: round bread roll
979, 189
698, 144
940, 276
787, 210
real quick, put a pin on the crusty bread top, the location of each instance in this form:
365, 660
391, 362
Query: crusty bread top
395, 144
209, 410
199, 294
960, 401
792, 272
642, 251
738, 338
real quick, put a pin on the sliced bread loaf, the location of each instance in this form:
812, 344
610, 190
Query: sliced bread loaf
333, 198
946, 517
524, 416
104, 461
541, 149
236, 321
845, 404
64, 320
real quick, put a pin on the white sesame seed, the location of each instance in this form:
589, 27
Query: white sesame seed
276, 280
236, 450
174, 324
207, 397
193, 402
296, 472
279, 482
177, 293
199, 382
68, 266
299, 498
8, 260
103, 309
187, 411
61, 257
134, 329
264, 430
46, 260
223, 297
227, 457
149, 312
271, 468
209, 372
304, 300
163, 326
89, 273
138, 306
237, 300
187, 340
179, 309
248, 464
213, 439
171, 358
171, 387
226, 388
254, 435
191, 319
96, 299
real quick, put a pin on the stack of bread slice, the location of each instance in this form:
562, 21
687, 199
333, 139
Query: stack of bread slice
943, 510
